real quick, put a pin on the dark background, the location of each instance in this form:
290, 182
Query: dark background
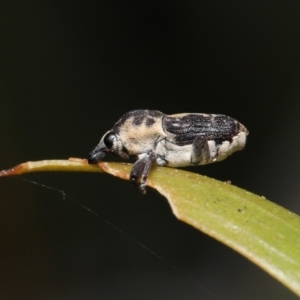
69, 70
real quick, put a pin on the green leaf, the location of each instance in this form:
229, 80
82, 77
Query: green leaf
260, 230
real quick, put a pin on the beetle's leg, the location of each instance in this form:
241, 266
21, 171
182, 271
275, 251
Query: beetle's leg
123, 154
200, 144
140, 171
120, 153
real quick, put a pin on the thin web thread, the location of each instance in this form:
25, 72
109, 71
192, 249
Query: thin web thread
65, 196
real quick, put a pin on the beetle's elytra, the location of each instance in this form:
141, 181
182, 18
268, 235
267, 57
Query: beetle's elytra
170, 140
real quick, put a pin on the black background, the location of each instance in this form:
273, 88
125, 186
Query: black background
69, 70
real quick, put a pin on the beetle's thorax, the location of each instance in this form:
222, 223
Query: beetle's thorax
140, 130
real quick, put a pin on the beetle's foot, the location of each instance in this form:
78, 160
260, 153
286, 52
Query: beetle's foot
142, 188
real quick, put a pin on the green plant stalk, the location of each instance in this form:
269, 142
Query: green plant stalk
260, 230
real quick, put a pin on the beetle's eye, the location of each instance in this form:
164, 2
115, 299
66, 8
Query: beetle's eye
109, 140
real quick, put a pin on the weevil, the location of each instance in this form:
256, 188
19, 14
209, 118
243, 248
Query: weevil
179, 140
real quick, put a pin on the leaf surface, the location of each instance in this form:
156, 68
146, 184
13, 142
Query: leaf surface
262, 231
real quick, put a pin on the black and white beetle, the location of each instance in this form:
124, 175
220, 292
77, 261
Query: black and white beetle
170, 140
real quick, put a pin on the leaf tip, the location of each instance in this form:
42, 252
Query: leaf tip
13, 171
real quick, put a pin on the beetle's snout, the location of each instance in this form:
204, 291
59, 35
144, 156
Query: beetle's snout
96, 155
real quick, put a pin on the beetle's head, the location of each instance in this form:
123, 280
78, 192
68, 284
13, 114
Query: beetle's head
109, 143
